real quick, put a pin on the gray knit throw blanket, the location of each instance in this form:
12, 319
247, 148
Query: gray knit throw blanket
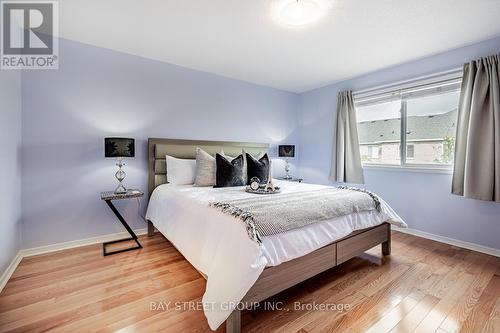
266, 215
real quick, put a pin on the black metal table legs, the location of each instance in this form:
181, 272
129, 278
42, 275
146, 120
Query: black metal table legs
133, 236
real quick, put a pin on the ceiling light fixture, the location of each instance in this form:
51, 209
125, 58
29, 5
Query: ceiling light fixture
300, 12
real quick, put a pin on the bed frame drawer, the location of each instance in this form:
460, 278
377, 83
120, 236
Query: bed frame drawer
352, 247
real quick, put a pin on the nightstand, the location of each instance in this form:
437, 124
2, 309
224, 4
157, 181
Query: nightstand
298, 180
109, 196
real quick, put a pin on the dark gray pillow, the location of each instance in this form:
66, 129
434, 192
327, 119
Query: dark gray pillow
229, 173
257, 168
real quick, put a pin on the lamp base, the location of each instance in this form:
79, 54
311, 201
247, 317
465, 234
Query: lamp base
120, 189
120, 176
287, 170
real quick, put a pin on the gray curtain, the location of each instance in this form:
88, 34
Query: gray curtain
346, 162
477, 152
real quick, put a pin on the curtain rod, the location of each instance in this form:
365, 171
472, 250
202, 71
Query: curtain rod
457, 70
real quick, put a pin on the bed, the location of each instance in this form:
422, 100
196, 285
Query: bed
207, 238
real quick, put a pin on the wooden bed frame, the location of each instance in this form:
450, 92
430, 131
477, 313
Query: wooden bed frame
273, 279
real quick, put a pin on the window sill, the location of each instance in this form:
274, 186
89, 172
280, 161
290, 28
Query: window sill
398, 168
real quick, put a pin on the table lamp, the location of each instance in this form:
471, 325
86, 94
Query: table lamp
286, 151
119, 148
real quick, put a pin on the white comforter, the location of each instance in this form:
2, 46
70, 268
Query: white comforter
218, 245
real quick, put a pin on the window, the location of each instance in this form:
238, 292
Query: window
431, 127
420, 116
370, 153
410, 151
379, 132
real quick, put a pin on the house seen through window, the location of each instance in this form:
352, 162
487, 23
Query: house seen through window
421, 119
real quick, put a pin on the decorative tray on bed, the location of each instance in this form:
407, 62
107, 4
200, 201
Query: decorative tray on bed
257, 188
262, 190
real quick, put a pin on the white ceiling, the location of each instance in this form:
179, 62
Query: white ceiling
241, 38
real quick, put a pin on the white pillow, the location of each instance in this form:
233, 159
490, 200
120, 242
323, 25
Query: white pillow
180, 171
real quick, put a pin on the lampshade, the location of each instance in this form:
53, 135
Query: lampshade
119, 147
286, 151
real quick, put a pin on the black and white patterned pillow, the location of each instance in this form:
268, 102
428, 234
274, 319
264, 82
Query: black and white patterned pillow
257, 168
229, 173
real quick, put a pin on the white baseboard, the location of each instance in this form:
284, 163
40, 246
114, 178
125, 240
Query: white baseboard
77, 243
450, 241
60, 246
10, 270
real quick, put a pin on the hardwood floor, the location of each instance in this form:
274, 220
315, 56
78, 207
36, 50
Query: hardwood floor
424, 286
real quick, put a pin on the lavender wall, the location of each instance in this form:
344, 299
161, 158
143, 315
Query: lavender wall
10, 166
422, 199
97, 92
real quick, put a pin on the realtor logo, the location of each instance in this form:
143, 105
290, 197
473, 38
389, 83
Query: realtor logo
29, 35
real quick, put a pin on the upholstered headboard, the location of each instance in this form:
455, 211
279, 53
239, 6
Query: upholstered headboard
159, 148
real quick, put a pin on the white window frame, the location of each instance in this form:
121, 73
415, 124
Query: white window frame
401, 90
